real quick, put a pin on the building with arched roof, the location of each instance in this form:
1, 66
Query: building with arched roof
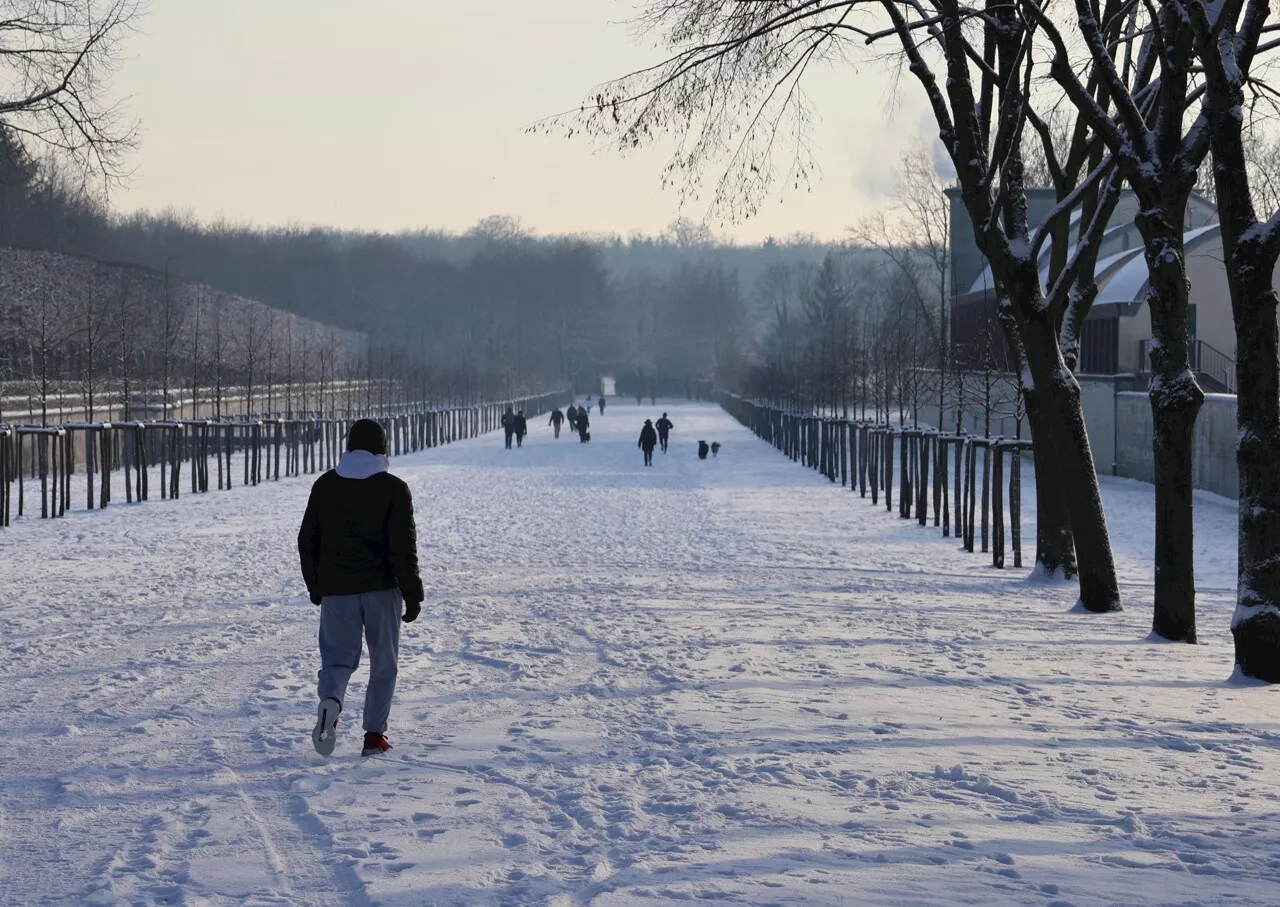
1117, 333
1114, 367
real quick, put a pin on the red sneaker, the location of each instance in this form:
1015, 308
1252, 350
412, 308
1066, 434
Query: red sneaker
374, 744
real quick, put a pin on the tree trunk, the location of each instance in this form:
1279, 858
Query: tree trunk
1256, 623
1251, 260
1062, 428
1176, 399
1055, 546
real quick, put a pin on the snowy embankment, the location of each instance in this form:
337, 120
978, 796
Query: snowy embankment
710, 679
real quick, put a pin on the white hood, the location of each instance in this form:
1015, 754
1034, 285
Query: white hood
360, 464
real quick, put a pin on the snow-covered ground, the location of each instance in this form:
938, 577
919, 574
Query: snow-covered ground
709, 680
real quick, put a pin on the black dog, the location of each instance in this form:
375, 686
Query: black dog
715, 448
702, 450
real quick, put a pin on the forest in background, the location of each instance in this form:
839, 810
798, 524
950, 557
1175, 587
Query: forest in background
493, 312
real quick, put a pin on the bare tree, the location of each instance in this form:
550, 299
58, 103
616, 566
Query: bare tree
271, 344
1159, 157
127, 322
744, 62
917, 245
49, 332
172, 321
218, 361
57, 57
92, 335
288, 368
1229, 39
249, 343
194, 361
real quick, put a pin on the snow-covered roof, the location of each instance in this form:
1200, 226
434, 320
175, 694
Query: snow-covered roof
1106, 264
1129, 282
986, 280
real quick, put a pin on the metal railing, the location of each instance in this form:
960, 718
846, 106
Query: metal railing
267, 448
1214, 368
918, 464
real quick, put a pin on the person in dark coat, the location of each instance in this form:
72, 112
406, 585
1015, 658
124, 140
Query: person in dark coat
572, 415
509, 425
584, 424
557, 419
602, 405
522, 428
358, 549
648, 441
664, 431
703, 448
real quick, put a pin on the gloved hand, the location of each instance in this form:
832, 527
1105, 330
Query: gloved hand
411, 612
315, 598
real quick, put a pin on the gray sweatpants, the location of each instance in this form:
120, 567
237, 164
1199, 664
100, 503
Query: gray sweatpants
342, 620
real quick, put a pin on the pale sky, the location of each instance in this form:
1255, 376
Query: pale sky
391, 114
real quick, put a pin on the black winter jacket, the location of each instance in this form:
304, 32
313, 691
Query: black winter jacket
665, 425
648, 438
358, 535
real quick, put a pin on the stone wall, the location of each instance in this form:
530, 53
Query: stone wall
1215, 442
1118, 420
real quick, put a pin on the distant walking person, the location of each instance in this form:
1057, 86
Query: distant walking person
522, 428
584, 425
648, 441
557, 419
509, 425
602, 406
572, 415
359, 552
664, 431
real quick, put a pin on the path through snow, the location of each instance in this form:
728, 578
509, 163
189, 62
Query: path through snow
719, 679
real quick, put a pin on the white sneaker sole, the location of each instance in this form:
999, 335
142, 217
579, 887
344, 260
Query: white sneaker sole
324, 736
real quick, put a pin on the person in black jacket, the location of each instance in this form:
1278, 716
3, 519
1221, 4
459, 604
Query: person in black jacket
572, 415
583, 425
359, 551
557, 419
664, 431
509, 425
522, 428
648, 441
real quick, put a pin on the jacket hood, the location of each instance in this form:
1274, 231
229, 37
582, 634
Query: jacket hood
360, 464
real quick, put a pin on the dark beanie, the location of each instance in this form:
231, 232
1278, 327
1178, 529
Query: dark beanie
366, 434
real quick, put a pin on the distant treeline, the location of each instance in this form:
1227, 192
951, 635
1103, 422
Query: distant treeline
516, 312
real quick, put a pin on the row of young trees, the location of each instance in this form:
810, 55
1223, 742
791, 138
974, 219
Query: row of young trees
82, 340
517, 316
1149, 92
866, 332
